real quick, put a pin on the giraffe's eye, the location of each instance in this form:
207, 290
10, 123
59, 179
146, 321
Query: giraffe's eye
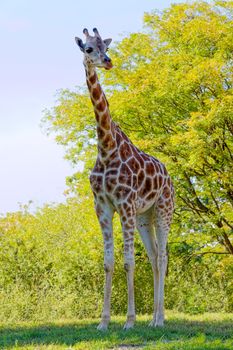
89, 49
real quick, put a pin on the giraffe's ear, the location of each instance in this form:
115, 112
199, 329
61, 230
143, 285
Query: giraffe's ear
107, 42
80, 43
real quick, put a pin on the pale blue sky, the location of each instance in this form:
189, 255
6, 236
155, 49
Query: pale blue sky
38, 57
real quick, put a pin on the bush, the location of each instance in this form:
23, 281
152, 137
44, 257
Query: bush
51, 266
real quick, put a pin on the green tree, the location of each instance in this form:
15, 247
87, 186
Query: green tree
171, 92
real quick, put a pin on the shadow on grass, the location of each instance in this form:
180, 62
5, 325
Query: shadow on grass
68, 334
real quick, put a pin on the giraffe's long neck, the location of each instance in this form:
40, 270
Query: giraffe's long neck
105, 126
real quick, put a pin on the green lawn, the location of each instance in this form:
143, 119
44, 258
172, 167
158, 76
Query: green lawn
181, 332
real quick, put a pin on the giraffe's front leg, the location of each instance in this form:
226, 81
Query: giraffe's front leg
128, 227
105, 214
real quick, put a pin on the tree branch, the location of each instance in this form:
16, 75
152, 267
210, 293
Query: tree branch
203, 253
228, 243
201, 206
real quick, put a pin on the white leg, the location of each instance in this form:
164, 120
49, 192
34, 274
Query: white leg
105, 215
145, 226
128, 228
163, 221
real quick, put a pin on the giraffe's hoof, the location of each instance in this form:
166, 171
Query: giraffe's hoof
128, 325
157, 322
152, 323
103, 326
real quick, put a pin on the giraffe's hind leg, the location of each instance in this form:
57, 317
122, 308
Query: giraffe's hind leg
163, 213
146, 228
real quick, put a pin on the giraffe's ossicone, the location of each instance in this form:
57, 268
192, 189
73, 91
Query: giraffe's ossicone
130, 182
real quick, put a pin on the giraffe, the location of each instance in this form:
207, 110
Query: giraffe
130, 182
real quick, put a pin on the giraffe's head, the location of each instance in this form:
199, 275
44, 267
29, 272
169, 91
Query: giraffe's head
95, 49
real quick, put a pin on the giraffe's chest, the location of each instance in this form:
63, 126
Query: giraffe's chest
104, 181
116, 180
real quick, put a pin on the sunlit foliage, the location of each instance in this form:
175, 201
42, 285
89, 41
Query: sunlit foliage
171, 92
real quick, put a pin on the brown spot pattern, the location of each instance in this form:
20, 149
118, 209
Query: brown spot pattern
99, 167
135, 181
160, 180
93, 79
96, 114
150, 196
112, 172
118, 139
96, 93
150, 170
105, 121
141, 161
96, 182
108, 142
101, 106
155, 182
125, 151
121, 192
157, 168
102, 151
88, 85
100, 132
115, 163
134, 165
125, 175
166, 192
141, 177
145, 157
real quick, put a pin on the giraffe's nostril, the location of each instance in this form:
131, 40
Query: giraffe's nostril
107, 59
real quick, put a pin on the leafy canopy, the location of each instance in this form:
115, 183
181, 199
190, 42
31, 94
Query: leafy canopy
171, 92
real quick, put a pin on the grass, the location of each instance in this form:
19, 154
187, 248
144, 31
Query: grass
181, 332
